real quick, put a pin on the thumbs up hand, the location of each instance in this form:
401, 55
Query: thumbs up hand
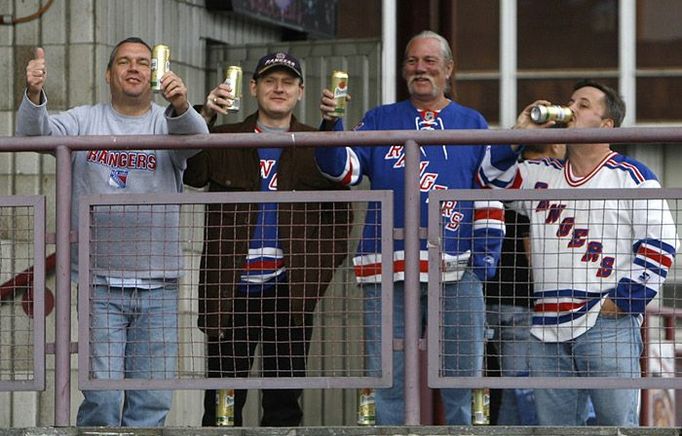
36, 73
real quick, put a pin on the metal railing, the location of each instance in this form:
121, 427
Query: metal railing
63, 147
27, 215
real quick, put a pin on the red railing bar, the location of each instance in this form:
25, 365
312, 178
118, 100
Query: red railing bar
24, 279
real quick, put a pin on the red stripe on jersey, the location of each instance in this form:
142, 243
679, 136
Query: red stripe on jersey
399, 266
631, 167
558, 307
655, 256
489, 213
264, 265
348, 178
370, 270
518, 181
374, 269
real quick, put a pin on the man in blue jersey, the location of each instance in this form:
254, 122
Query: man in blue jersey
134, 274
596, 265
472, 232
264, 266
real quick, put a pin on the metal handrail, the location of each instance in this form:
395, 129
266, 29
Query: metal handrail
331, 139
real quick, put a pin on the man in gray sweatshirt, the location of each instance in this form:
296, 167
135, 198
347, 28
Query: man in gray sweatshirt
135, 255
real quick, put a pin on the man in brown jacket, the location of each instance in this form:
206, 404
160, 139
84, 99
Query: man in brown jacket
264, 266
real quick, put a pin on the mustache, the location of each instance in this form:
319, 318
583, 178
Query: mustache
412, 79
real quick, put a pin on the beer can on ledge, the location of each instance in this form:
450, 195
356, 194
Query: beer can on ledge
224, 407
541, 114
233, 78
480, 406
339, 87
366, 407
160, 65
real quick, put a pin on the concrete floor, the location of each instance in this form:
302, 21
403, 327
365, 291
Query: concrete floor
345, 431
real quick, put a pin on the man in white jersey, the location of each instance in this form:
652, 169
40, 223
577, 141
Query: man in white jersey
596, 265
135, 252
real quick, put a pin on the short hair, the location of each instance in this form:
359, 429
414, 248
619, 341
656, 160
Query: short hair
130, 40
446, 52
615, 106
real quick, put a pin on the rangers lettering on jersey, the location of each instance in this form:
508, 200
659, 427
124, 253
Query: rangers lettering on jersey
577, 237
131, 160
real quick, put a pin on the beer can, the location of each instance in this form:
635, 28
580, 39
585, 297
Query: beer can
339, 87
541, 114
233, 79
480, 406
224, 407
160, 64
366, 407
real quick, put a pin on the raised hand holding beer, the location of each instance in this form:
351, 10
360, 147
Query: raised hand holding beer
217, 101
333, 103
165, 81
36, 73
328, 105
175, 91
524, 120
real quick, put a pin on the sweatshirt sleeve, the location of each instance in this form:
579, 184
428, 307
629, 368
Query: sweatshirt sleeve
33, 120
189, 123
653, 250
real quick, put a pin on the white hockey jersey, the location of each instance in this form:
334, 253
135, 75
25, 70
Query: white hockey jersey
586, 250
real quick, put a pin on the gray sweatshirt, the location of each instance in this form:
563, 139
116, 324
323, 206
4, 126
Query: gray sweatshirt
134, 241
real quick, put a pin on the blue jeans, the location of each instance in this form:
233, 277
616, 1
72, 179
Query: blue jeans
133, 335
511, 326
284, 346
463, 325
609, 349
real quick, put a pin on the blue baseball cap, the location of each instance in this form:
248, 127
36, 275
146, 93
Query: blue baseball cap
281, 60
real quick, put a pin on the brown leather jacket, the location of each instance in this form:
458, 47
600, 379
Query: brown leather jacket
314, 236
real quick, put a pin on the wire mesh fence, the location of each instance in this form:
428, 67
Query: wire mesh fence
200, 288
584, 295
22, 293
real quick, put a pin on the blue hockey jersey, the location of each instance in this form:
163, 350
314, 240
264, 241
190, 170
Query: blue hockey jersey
472, 233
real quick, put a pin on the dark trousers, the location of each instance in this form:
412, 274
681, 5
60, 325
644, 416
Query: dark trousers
284, 347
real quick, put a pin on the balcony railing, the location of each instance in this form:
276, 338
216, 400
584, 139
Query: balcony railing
337, 356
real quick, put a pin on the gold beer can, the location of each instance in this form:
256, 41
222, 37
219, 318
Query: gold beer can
233, 79
366, 407
480, 406
541, 114
160, 65
224, 407
339, 87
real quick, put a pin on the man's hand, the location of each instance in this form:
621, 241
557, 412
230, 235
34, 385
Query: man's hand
36, 73
217, 101
175, 91
328, 105
524, 122
609, 308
